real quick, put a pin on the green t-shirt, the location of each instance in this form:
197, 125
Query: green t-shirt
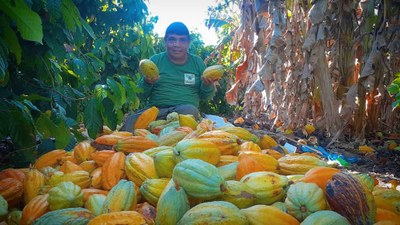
178, 84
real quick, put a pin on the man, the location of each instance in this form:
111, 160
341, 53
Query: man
180, 85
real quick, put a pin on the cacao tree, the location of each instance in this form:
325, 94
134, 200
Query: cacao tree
64, 64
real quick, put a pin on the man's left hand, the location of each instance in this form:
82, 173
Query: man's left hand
207, 81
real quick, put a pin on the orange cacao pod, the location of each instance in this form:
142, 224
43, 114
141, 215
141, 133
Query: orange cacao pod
11, 189
37, 207
113, 170
51, 158
250, 162
69, 167
146, 118
87, 192
82, 151
135, 144
12, 173
108, 139
100, 157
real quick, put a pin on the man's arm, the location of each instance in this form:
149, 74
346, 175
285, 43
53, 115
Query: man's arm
147, 88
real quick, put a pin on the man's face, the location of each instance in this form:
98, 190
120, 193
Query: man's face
177, 46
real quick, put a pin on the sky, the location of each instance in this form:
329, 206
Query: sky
190, 12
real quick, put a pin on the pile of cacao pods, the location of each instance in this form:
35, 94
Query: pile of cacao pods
182, 171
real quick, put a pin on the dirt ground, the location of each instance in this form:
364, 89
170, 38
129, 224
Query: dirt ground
383, 164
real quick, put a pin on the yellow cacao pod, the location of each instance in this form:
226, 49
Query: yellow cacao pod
188, 121
214, 72
267, 142
148, 68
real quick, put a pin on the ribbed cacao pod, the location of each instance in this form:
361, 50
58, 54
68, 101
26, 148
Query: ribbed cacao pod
197, 149
135, 144
148, 116
199, 178
174, 197
214, 72
122, 217
122, 197
214, 213
268, 186
35, 209
260, 214
139, 167
113, 170
347, 196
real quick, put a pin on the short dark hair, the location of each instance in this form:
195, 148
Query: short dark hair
177, 28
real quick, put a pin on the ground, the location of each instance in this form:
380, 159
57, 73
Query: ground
384, 164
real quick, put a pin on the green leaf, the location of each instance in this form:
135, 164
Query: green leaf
78, 135
71, 16
31, 105
77, 93
28, 22
3, 60
88, 29
17, 124
396, 81
11, 39
25, 111
97, 64
54, 9
62, 135
118, 93
36, 97
80, 69
4, 81
110, 117
54, 42
92, 117
127, 83
45, 146
44, 126
393, 89
100, 91
48, 129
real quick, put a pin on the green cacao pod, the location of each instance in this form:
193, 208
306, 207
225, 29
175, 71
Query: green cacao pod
75, 216
95, 203
65, 195
121, 197
214, 213
164, 163
304, 199
228, 171
199, 179
3, 208
173, 197
325, 217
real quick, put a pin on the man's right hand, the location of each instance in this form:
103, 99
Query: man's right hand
151, 81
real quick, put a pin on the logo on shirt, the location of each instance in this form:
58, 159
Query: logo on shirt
190, 79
